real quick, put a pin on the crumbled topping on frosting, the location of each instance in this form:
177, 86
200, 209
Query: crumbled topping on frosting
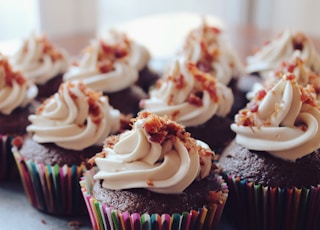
9, 74
245, 117
47, 48
93, 99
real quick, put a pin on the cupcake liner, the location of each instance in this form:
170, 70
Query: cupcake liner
8, 168
52, 189
272, 208
103, 217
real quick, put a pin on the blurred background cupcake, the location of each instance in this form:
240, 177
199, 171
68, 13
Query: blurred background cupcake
207, 46
282, 48
155, 176
16, 103
196, 100
272, 167
113, 64
68, 128
41, 62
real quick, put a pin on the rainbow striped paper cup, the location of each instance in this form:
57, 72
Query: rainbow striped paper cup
104, 217
254, 206
52, 189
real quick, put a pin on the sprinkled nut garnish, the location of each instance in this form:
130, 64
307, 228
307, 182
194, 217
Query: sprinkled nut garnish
10, 75
308, 95
150, 182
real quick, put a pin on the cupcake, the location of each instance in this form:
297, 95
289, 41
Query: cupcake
155, 176
273, 165
112, 65
41, 62
16, 103
280, 49
196, 100
208, 48
68, 128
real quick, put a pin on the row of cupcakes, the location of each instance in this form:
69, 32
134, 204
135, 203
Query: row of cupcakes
67, 125
190, 92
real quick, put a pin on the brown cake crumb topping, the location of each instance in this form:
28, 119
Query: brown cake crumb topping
10, 75
207, 82
47, 48
109, 54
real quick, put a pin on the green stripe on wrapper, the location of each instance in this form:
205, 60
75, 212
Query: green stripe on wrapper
51, 188
254, 206
103, 217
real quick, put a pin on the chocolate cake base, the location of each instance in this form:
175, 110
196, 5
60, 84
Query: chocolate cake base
216, 133
49, 88
144, 201
52, 154
262, 168
147, 78
16, 122
239, 95
127, 100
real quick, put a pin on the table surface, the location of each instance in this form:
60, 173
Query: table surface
15, 210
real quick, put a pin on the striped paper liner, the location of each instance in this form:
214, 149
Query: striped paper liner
52, 189
8, 168
254, 206
103, 217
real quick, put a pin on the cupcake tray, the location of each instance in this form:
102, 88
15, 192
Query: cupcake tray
16, 212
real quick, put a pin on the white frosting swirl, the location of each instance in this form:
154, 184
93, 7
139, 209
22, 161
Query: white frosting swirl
38, 60
111, 64
284, 122
15, 90
281, 49
74, 118
137, 161
209, 49
189, 96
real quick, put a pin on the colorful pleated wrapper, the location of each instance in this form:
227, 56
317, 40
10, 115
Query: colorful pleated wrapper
52, 189
8, 168
254, 206
103, 217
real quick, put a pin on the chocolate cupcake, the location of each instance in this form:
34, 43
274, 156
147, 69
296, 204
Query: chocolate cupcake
112, 65
272, 167
209, 49
154, 175
41, 62
280, 49
196, 100
16, 103
68, 128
